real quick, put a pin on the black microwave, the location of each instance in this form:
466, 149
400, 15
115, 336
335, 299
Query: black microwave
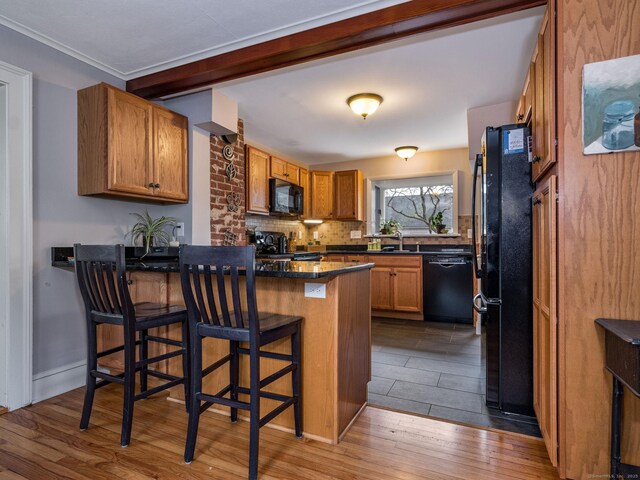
285, 198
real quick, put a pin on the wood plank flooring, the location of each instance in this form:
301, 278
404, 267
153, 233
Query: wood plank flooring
43, 442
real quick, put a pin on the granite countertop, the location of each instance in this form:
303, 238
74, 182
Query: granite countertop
424, 250
264, 268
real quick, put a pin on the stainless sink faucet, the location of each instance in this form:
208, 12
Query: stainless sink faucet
399, 235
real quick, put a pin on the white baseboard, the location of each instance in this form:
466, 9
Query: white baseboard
58, 381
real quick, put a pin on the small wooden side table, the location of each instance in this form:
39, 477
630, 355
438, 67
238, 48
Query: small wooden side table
622, 352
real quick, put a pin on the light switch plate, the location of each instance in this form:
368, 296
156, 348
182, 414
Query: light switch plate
180, 229
315, 290
469, 233
356, 234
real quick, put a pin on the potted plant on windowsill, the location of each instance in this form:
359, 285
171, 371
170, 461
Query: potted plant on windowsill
435, 222
150, 230
390, 227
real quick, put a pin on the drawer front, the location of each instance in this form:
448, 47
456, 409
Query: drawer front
414, 261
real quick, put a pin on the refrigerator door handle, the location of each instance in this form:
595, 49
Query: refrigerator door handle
479, 308
476, 266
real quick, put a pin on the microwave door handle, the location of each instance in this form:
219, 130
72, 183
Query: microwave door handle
474, 232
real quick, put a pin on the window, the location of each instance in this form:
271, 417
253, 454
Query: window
416, 202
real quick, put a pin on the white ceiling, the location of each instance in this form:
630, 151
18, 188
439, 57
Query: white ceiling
428, 82
132, 38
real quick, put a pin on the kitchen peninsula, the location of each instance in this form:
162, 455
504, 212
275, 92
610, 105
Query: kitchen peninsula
334, 299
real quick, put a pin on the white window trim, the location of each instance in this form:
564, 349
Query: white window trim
17, 278
371, 217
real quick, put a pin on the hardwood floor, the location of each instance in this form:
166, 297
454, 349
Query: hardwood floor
43, 442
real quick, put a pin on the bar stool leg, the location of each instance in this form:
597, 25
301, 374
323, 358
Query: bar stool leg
616, 421
254, 420
144, 354
195, 381
234, 376
92, 364
129, 386
186, 364
295, 382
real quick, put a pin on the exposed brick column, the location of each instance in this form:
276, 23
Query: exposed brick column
223, 220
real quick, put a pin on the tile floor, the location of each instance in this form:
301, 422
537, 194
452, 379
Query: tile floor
435, 369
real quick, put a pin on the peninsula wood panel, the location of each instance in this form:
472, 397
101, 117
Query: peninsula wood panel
145, 287
545, 338
333, 380
599, 234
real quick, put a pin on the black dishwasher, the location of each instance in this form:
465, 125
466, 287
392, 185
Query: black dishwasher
448, 284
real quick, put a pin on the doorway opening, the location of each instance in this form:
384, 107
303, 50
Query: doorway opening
16, 250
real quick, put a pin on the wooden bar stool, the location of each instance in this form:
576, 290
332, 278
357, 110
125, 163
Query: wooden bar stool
210, 316
107, 301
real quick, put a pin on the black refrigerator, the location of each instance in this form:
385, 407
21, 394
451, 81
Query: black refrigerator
502, 241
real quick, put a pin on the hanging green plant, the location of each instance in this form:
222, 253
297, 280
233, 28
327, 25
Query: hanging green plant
151, 230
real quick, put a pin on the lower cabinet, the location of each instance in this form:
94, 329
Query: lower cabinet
396, 285
545, 328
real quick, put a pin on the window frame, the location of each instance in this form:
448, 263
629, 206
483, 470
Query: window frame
373, 182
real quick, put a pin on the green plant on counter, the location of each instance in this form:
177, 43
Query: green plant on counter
149, 229
389, 227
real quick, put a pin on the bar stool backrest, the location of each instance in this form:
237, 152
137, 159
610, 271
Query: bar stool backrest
210, 304
104, 294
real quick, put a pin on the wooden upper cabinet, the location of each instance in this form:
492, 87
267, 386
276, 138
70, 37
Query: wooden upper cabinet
306, 193
543, 125
284, 170
292, 173
349, 195
278, 168
525, 105
130, 148
545, 329
322, 195
257, 180
170, 152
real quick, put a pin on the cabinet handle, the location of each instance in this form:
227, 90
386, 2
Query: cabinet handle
157, 185
521, 116
537, 158
151, 185
537, 201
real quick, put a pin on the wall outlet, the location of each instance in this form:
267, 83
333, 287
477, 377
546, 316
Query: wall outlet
180, 229
356, 234
315, 290
469, 233
316, 235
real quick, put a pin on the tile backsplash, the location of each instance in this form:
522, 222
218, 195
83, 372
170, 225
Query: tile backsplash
339, 233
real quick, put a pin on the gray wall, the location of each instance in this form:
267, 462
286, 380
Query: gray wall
60, 216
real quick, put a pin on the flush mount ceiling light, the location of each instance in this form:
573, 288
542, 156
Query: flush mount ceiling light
364, 104
406, 152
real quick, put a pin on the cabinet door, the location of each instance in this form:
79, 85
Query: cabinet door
354, 258
278, 168
171, 174
130, 144
257, 181
381, 288
407, 290
544, 148
349, 195
322, 195
292, 173
545, 368
306, 192
528, 95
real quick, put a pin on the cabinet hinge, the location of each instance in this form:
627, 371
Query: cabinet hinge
557, 197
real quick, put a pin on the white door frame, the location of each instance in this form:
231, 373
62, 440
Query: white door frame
16, 238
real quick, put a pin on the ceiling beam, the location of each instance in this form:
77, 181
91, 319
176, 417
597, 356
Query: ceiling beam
387, 24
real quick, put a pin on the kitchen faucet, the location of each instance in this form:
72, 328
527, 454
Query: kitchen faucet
399, 235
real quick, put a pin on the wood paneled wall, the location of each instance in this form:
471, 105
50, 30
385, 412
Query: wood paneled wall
599, 228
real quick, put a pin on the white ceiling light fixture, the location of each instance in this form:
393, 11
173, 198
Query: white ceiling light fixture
364, 104
406, 152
